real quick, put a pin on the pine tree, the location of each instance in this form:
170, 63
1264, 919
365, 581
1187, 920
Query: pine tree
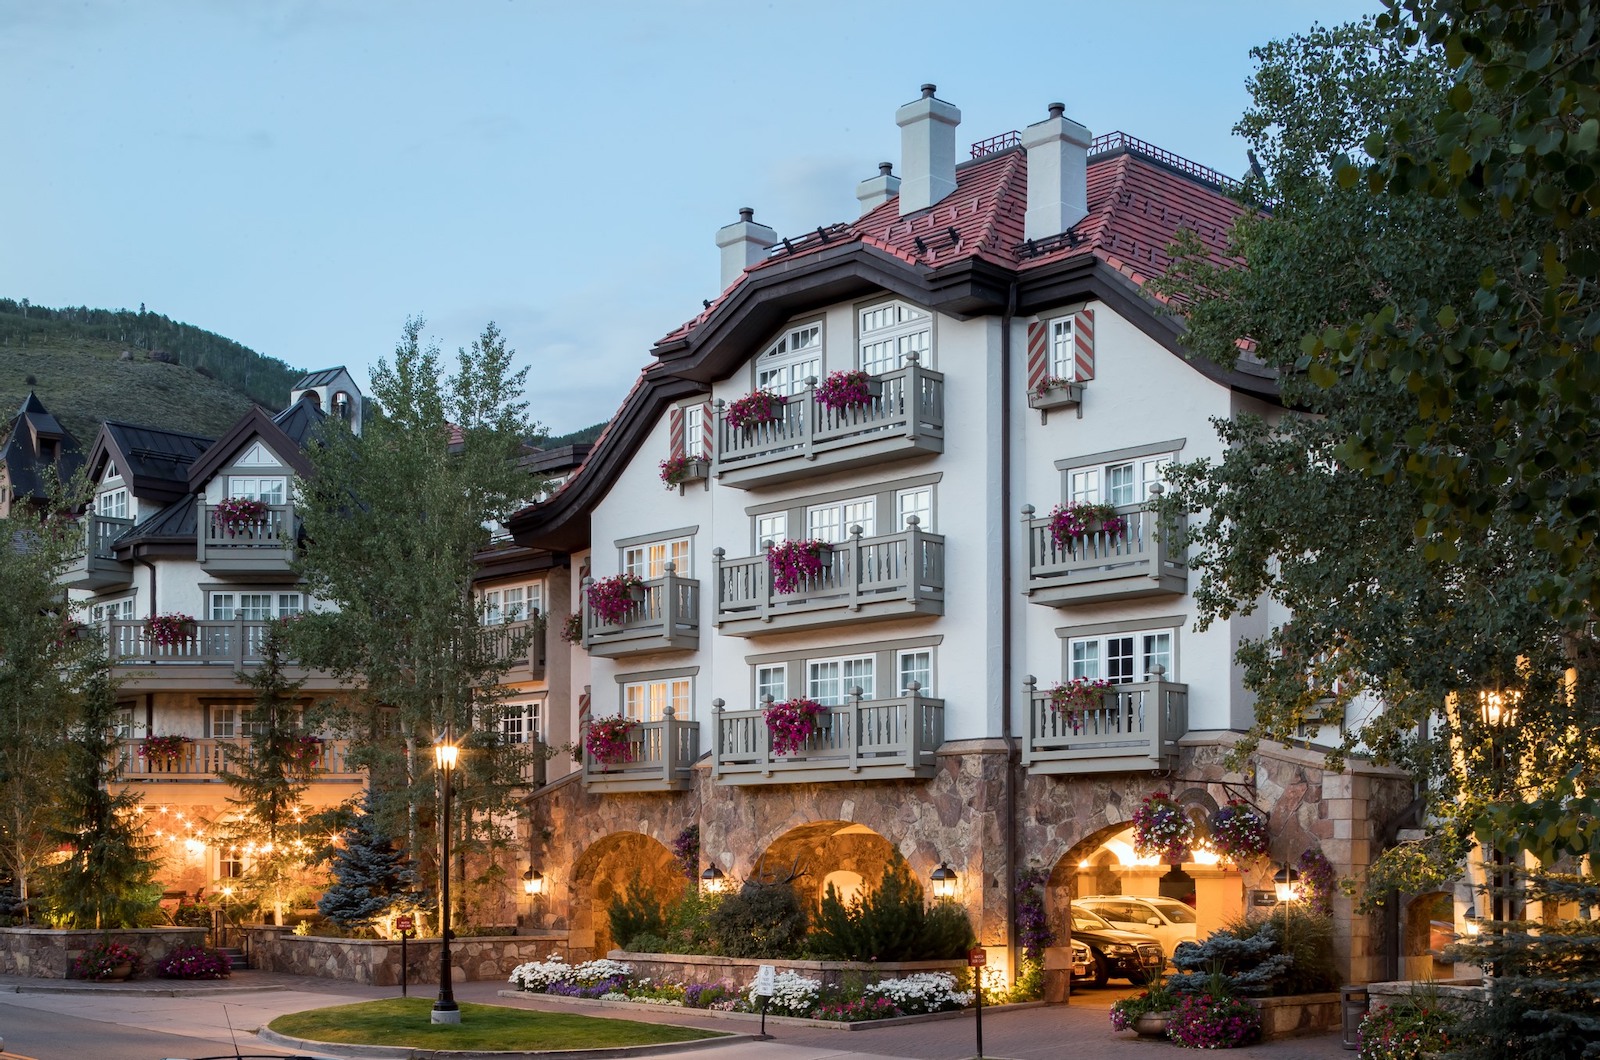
373, 881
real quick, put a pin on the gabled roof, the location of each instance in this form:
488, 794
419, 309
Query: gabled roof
174, 523
154, 463
301, 421
253, 424
321, 377
32, 424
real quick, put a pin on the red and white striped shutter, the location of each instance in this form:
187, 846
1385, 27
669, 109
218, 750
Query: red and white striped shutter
1083, 337
675, 431
705, 430
1038, 353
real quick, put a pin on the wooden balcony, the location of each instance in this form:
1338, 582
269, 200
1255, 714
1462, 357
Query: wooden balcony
1099, 566
522, 644
98, 566
662, 754
202, 759
665, 617
865, 739
1137, 728
865, 579
904, 420
260, 547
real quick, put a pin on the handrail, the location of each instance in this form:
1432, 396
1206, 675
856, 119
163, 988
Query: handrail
900, 730
908, 566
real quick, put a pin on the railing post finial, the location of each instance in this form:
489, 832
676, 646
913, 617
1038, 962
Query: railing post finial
1030, 682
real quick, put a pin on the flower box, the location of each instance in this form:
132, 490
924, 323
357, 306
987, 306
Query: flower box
848, 390
1072, 699
163, 750
1054, 392
235, 514
678, 471
1073, 521
611, 599
304, 752
793, 563
755, 408
609, 740
793, 722
165, 631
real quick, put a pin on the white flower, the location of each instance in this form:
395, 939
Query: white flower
536, 976
922, 992
792, 994
590, 972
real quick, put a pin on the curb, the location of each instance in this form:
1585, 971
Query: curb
101, 989
410, 1052
755, 1017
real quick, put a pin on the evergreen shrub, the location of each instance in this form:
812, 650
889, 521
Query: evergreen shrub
762, 920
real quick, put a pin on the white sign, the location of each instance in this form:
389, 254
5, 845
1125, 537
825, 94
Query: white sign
764, 980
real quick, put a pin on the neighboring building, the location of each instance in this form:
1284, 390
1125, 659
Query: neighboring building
1016, 362
36, 446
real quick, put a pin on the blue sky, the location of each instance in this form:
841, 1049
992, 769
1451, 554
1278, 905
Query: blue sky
302, 176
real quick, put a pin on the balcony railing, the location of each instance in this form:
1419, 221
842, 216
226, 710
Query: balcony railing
204, 758
661, 755
904, 419
863, 579
226, 642
1137, 726
865, 739
665, 617
98, 567
255, 546
506, 642
1137, 561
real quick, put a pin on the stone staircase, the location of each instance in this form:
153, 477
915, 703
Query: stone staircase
236, 957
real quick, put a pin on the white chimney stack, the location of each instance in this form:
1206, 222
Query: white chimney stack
875, 191
1058, 175
927, 150
743, 244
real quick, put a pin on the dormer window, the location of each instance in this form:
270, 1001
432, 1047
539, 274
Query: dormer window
112, 504
267, 490
784, 367
890, 331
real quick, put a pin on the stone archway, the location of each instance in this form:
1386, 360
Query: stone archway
1427, 928
604, 872
820, 849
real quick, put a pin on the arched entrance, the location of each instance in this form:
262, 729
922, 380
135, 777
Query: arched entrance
1429, 927
604, 873
841, 852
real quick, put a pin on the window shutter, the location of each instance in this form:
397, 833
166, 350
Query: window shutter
706, 421
1038, 354
675, 431
1083, 336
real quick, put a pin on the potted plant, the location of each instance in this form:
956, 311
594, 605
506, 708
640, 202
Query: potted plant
1054, 392
1238, 833
608, 740
163, 750
847, 390
612, 598
1072, 699
678, 471
794, 562
165, 631
1075, 520
1145, 1013
304, 752
756, 407
1161, 828
572, 628
234, 514
107, 961
792, 722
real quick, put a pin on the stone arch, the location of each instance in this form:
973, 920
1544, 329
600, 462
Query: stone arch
1427, 927
821, 848
604, 872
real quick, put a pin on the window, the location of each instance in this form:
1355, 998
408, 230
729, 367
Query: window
773, 528
520, 723
650, 560
125, 728
1120, 657
832, 522
772, 681
786, 365
270, 490
916, 666
227, 722
230, 864
112, 504
1119, 484
694, 433
255, 607
831, 682
917, 502
511, 603
890, 331
1063, 359
649, 700
121, 610
257, 455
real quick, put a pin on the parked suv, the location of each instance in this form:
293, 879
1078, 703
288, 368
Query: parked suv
1168, 920
1116, 953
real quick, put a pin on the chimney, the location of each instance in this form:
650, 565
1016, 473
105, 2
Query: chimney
927, 150
743, 244
875, 191
1058, 181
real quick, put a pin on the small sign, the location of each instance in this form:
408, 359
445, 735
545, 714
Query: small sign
977, 957
404, 923
765, 985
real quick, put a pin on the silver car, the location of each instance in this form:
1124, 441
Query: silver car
1167, 919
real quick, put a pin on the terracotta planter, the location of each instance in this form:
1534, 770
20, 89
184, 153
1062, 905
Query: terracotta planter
118, 973
1151, 1024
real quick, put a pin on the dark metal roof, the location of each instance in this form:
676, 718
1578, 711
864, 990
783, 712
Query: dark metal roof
175, 522
321, 377
20, 454
301, 420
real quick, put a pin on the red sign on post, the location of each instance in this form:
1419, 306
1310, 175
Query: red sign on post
403, 923
977, 957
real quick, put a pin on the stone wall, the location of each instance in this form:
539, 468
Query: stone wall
46, 953
690, 968
1296, 1016
376, 962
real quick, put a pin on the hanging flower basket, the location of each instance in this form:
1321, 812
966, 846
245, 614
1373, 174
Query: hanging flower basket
234, 514
612, 598
1075, 520
795, 562
681, 469
607, 740
847, 390
756, 407
1238, 833
1072, 699
167, 630
572, 628
1161, 828
304, 752
792, 723
163, 749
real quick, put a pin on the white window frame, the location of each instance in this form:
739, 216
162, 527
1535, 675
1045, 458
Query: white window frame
773, 527
794, 357
1063, 352
772, 679
837, 517
648, 560
854, 671
923, 674
268, 489
280, 604
918, 501
1136, 653
887, 331
505, 604
120, 609
647, 700
1134, 478
523, 722
694, 432
114, 503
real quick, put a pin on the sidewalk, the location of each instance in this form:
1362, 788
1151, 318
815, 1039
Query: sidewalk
202, 1011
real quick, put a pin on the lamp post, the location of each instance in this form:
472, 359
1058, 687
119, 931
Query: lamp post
445, 1009
944, 881
1286, 885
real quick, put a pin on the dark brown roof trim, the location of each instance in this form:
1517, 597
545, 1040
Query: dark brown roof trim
256, 421
494, 563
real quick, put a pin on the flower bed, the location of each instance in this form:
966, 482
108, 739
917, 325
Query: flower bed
1161, 828
1074, 520
757, 407
1201, 1021
845, 390
233, 514
794, 562
608, 740
792, 723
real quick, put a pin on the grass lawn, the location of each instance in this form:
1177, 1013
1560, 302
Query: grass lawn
405, 1021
